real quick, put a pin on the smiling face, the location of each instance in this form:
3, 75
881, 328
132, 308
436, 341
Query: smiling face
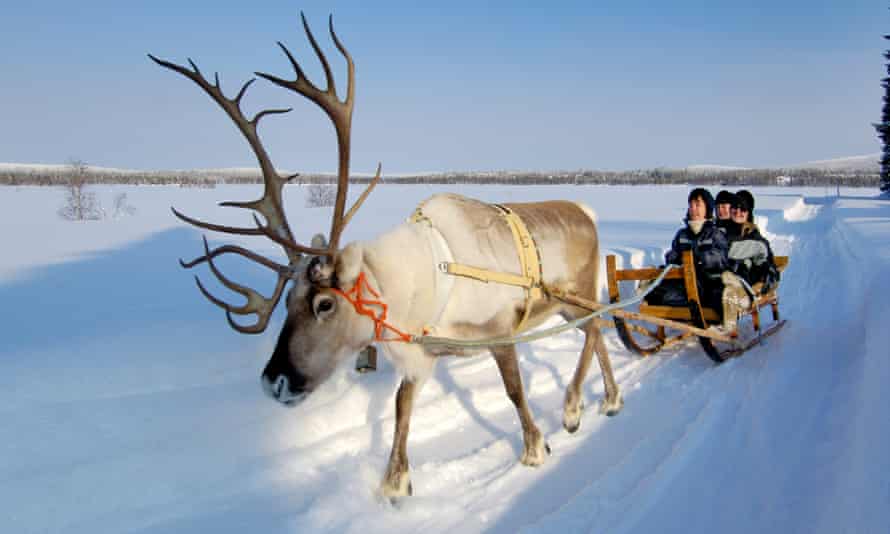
724, 211
739, 215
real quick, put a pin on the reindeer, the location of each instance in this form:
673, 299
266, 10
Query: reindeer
391, 291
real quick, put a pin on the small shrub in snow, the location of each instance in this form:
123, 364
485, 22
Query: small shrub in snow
320, 195
202, 183
121, 207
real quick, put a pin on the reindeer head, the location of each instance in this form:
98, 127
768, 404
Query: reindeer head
321, 328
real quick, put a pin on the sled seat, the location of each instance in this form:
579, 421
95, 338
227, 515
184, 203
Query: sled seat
682, 313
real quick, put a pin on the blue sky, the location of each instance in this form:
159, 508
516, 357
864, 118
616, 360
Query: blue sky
450, 86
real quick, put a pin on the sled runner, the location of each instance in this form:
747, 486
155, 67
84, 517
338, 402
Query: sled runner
674, 324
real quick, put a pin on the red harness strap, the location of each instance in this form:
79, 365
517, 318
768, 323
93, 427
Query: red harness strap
355, 296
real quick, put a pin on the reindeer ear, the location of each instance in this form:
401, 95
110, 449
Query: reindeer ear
349, 264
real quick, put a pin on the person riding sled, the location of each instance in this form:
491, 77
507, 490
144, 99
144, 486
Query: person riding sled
750, 254
725, 200
709, 248
750, 261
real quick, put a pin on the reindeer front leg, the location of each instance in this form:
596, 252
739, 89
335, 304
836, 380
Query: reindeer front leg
613, 402
536, 449
397, 482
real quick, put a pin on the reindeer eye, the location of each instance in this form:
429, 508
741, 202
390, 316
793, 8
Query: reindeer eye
323, 306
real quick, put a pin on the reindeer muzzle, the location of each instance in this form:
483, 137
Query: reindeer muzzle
279, 389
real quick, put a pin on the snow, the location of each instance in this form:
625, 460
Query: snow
800, 211
128, 405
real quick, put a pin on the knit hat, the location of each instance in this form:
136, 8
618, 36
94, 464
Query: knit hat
705, 195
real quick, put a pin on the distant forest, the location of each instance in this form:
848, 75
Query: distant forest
731, 177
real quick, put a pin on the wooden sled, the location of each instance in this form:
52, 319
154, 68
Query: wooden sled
673, 324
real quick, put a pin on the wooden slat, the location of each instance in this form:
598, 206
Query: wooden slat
755, 319
614, 295
680, 313
781, 262
593, 306
676, 339
648, 273
689, 277
676, 325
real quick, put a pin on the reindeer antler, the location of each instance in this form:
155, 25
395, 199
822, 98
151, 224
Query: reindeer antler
340, 113
270, 204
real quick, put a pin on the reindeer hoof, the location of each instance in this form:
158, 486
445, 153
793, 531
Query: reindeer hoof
394, 490
398, 501
571, 418
535, 455
611, 408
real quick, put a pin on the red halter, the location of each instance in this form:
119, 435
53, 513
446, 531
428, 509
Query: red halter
355, 296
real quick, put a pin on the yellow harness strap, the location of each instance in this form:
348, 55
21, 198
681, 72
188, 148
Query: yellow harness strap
484, 275
529, 265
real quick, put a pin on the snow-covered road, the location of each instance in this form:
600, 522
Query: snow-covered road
128, 405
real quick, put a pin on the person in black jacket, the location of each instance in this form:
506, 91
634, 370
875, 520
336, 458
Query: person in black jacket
723, 211
709, 249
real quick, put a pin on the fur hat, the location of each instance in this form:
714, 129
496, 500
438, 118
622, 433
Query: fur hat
725, 197
705, 195
745, 200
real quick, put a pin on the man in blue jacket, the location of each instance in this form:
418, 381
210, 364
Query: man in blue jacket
708, 245
709, 248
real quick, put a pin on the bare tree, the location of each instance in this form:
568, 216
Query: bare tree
80, 203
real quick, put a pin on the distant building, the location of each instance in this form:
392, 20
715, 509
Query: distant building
783, 180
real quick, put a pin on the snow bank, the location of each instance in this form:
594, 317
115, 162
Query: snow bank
800, 211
